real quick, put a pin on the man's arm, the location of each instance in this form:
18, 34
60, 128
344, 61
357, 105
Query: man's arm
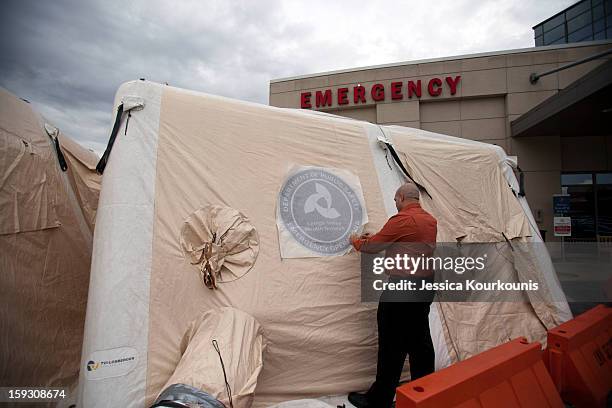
390, 233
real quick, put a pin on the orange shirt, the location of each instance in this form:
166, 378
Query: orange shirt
412, 231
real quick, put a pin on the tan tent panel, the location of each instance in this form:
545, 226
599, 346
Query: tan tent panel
45, 253
85, 181
454, 197
186, 153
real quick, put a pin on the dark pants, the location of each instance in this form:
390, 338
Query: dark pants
403, 328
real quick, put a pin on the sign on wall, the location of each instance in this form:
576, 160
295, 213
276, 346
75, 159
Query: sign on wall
563, 226
561, 204
396, 91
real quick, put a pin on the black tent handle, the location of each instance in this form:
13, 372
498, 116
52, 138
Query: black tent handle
521, 192
401, 166
60, 155
104, 159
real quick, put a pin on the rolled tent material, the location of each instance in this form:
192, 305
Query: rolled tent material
45, 251
185, 151
223, 344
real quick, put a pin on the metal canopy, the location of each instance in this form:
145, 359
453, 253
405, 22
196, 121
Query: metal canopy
582, 108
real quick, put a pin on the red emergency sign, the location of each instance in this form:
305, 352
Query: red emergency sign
377, 92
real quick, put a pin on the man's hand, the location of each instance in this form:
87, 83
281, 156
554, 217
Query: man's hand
354, 237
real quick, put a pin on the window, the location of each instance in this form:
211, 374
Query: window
579, 22
604, 178
553, 35
590, 203
584, 21
538, 31
598, 12
560, 19
576, 179
580, 34
604, 204
578, 9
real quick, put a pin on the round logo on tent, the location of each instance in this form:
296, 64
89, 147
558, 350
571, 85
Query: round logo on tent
320, 210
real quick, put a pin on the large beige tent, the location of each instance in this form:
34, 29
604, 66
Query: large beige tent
48, 202
198, 213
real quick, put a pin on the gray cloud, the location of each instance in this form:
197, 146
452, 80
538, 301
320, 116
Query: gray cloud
69, 57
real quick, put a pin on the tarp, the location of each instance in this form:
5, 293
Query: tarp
186, 153
45, 249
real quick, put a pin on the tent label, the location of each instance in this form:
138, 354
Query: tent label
110, 363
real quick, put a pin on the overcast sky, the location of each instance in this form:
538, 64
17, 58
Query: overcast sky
69, 57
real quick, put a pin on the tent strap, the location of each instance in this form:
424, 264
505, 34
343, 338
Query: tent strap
60, 155
401, 166
521, 192
104, 159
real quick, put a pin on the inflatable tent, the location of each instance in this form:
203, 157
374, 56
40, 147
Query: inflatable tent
210, 203
48, 199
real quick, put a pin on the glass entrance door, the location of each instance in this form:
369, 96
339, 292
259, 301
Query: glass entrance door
591, 204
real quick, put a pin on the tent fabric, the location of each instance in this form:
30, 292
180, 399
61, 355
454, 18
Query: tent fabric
45, 253
85, 181
28, 197
476, 206
240, 340
221, 242
480, 208
186, 150
304, 403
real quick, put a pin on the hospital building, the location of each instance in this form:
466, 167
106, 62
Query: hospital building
549, 105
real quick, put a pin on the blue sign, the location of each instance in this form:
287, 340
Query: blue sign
561, 205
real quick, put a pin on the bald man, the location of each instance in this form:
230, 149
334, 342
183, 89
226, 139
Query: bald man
403, 323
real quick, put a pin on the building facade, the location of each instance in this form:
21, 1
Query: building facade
559, 126
587, 20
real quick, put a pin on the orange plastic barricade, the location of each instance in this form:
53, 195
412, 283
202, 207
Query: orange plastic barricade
509, 375
580, 358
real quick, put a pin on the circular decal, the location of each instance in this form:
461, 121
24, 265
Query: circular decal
320, 210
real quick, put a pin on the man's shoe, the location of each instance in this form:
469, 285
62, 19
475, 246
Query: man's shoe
360, 400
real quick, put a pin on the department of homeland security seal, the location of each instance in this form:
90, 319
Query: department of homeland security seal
320, 210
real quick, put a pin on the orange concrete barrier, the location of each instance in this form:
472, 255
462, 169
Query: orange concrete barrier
580, 358
509, 375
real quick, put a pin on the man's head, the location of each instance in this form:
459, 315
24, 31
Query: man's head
407, 194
